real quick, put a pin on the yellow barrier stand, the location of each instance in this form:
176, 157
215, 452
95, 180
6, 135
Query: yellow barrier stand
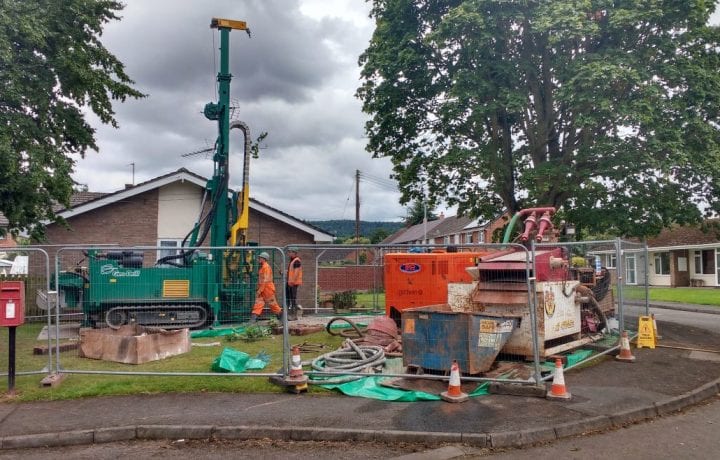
646, 332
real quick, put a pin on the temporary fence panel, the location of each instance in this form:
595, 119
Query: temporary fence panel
596, 275
440, 304
127, 310
26, 269
500, 311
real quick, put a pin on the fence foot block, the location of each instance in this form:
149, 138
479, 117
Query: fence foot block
52, 380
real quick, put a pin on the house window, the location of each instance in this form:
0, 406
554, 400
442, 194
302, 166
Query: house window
662, 263
630, 274
608, 260
171, 246
468, 238
446, 240
704, 262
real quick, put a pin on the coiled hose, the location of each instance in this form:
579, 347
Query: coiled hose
351, 358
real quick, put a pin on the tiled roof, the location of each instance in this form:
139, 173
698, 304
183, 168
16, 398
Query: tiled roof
687, 235
414, 233
452, 225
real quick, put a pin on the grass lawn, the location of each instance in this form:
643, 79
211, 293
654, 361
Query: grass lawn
199, 359
371, 301
701, 296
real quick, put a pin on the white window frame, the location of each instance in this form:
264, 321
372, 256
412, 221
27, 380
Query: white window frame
163, 243
630, 269
608, 260
698, 259
468, 238
660, 268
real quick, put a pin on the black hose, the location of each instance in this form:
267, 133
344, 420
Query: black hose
358, 333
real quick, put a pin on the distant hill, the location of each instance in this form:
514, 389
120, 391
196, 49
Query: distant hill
346, 227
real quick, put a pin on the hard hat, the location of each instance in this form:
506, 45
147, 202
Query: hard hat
264, 255
292, 249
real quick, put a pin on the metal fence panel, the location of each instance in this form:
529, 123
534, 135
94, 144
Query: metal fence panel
127, 309
500, 311
33, 350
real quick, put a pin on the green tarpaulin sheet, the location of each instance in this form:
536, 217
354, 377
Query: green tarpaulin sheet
216, 332
369, 387
231, 360
572, 359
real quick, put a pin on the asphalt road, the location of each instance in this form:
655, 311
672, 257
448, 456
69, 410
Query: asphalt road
706, 321
692, 434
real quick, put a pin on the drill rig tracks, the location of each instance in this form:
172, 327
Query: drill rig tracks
164, 316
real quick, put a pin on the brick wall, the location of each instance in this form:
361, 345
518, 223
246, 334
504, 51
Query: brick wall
350, 278
267, 231
130, 222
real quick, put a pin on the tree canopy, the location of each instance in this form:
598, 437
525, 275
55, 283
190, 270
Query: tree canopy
606, 109
52, 66
417, 212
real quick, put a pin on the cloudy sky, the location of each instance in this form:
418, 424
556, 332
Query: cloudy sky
295, 78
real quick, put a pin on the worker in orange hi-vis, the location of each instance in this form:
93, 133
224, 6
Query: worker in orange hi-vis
294, 281
265, 290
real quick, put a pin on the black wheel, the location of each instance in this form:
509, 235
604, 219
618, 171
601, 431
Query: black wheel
115, 318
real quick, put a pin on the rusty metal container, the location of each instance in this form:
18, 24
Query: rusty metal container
434, 336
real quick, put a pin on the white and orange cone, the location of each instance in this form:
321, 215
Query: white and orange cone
454, 393
296, 375
625, 354
557, 389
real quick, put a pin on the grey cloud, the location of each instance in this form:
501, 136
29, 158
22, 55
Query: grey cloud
295, 78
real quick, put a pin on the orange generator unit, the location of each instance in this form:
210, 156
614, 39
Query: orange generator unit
421, 279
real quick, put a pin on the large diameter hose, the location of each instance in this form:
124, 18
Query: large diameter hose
587, 292
352, 358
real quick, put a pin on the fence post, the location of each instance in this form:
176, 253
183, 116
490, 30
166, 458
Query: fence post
621, 282
532, 298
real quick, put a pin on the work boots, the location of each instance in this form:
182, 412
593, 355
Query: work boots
292, 314
253, 318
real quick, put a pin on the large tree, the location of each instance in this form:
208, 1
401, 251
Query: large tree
607, 109
52, 66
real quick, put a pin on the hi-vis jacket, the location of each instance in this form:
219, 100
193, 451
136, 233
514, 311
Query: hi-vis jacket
294, 274
265, 279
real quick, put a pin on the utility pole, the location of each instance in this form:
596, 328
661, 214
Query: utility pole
357, 206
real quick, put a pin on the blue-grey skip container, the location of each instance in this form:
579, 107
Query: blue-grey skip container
434, 336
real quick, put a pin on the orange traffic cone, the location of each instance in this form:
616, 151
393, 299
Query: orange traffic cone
454, 393
296, 375
557, 389
625, 352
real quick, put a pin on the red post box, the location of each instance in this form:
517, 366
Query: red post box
12, 303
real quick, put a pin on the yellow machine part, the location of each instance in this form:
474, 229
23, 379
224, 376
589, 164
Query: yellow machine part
176, 288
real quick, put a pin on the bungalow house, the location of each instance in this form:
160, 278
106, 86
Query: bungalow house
448, 231
680, 256
684, 256
160, 213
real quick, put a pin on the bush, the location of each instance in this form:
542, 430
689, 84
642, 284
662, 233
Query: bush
344, 300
